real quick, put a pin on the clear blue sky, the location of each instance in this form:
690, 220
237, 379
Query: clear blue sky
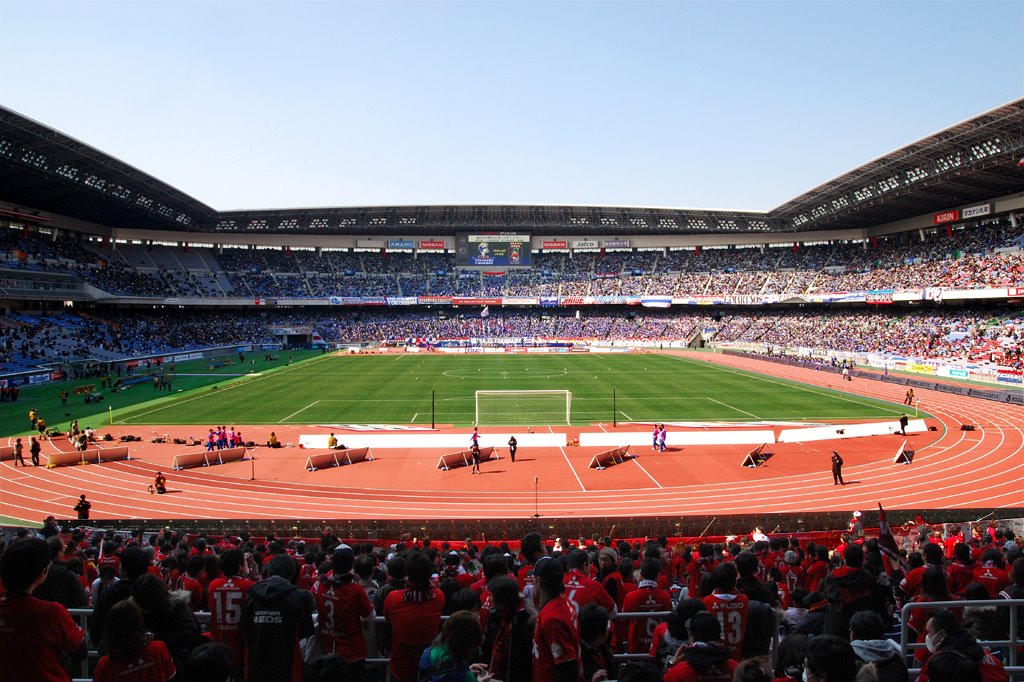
739, 105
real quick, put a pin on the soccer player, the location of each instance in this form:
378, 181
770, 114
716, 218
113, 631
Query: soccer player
475, 452
662, 435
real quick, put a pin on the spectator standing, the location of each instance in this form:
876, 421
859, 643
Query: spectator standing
276, 616
226, 599
414, 614
132, 654
36, 634
556, 635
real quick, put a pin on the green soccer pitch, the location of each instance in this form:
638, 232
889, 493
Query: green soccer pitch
398, 389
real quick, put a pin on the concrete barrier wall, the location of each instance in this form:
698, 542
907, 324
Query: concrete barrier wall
815, 433
433, 440
754, 437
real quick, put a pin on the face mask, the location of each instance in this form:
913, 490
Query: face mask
932, 642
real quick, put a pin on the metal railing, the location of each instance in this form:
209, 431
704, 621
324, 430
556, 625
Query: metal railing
1012, 644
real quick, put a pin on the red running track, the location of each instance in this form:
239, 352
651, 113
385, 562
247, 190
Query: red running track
952, 469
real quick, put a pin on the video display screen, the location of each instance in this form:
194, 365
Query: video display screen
492, 249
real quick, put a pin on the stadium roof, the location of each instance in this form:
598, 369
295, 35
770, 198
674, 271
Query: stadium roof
976, 160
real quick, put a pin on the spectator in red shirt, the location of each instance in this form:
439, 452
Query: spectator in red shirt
580, 588
933, 556
991, 574
730, 607
226, 598
646, 598
132, 654
414, 614
343, 606
961, 571
556, 635
36, 634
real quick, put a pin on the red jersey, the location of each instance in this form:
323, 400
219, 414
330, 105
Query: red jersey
414, 624
307, 576
645, 599
582, 590
341, 608
195, 587
525, 576
958, 577
816, 572
34, 634
225, 599
911, 584
155, 665
794, 576
993, 579
731, 611
700, 567
556, 639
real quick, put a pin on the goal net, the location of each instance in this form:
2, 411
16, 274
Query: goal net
496, 408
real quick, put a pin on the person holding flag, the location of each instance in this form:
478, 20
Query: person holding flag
887, 544
486, 312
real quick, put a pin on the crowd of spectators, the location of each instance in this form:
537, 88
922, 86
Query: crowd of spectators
984, 255
277, 610
985, 335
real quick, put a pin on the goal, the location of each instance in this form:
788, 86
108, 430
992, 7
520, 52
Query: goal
496, 408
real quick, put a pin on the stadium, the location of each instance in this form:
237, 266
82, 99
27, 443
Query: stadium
287, 371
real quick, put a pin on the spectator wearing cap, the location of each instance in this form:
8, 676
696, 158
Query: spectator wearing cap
705, 657
856, 527
344, 609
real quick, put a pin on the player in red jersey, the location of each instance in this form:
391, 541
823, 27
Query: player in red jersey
580, 588
730, 608
343, 607
226, 598
35, 634
414, 614
646, 598
556, 636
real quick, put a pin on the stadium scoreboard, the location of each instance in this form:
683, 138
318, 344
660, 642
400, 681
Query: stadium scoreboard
498, 248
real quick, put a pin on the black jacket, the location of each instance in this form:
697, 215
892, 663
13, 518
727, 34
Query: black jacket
848, 591
63, 587
276, 616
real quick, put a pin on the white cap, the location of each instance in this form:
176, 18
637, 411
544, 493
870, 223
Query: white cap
856, 514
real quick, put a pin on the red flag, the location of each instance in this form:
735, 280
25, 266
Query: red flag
696, 250
887, 543
874, 242
949, 230
795, 247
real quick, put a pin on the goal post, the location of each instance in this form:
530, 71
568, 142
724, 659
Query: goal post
498, 408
